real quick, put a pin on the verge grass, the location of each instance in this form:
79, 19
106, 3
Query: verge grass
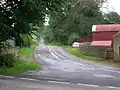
78, 53
21, 66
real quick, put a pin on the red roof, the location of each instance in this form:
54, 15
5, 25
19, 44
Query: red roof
106, 27
101, 43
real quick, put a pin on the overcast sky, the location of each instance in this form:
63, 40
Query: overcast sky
115, 4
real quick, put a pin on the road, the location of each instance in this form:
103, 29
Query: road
59, 65
63, 71
16, 84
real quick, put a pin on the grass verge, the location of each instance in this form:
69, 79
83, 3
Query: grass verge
27, 51
21, 66
26, 64
76, 52
55, 44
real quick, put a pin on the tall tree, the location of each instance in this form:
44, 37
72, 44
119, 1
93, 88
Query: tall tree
20, 16
78, 17
113, 17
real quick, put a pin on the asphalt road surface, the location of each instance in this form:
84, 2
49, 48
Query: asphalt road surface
15, 84
63, 71
59, 65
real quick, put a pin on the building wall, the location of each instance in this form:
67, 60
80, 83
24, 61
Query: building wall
98, 51
116, 46
103, 36
94, 51
85, 39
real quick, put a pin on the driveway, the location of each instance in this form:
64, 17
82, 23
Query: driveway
59, 65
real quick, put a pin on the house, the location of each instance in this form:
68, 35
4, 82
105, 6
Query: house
107, 35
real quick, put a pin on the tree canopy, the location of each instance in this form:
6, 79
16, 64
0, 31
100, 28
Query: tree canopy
113, 17
78, 17
20, 16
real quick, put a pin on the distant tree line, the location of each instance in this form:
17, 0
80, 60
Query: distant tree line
76, 20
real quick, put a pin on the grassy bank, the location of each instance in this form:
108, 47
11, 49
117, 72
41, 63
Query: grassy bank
21, 66
27, 62
27, 51
78, 53
53, 44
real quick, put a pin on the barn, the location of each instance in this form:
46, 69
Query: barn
104, 35
84, 39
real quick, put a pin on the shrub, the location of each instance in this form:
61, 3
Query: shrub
7, 60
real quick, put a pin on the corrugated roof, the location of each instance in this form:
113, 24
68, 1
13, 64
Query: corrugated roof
101, 43
106, 27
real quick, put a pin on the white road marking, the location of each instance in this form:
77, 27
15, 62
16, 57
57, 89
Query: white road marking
109, 70
103, 76
6, 76
113, 87
75, 63
29, 79
91, 68
51, 61
88, 85
58, 82
65, 60
52, 53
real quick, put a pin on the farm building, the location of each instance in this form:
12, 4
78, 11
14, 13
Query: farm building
84, 39
107, 35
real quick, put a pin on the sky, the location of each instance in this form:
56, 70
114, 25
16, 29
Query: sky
114, 5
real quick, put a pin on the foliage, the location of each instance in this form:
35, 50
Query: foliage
27, 51
20, 19
23, 16
21, 66
7, 60
78, 17
113, 17
72, 37
26, 39
48, 35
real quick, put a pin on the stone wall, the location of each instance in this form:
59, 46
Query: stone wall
94, 51
12, 50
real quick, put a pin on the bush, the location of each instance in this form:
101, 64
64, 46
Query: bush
7, 60
21, 66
